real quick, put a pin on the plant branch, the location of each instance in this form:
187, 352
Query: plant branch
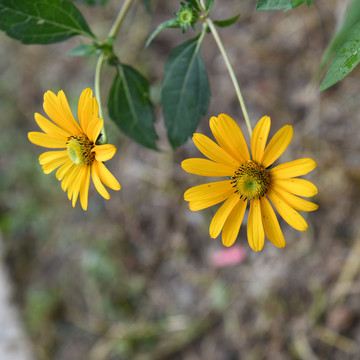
229, 68
114, 29
119, 19
103, 136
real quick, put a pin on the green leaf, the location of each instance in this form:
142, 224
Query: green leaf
85, 50
346, 58
340, 37
172, 23
208, 5
265, 5
194, 4
227, 22
185, 92
93, 2
130, 107
41, 21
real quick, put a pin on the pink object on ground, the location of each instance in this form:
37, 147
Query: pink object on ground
229, 256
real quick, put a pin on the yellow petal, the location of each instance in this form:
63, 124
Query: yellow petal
104, 152
106, 176
255, 229
48, 156
84, 189
196, 205
213, 151
50, 128
46, 140
206, 167
72, 184
230, 137
94, 129
75, 185
233, 222
259, 138
221, 215
69, 177
293, 168
98, 184
296, 186
65, 109
74, 195
296, 202
277, 145
54, 108
209, 190
206, 195
291, 216
54, 164
64, 169
271, 224
82, 111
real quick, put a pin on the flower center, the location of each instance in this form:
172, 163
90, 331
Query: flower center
251, 180
79, 149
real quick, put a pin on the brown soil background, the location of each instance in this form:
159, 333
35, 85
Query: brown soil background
131, 277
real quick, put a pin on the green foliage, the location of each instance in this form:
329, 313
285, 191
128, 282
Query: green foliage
194, 4
286, 5
346, 58
85, 50
227, 22
185, 93
186, 17
105, 47
209, 4
345, 46
41, 21
130, 107
172, 23
93, 2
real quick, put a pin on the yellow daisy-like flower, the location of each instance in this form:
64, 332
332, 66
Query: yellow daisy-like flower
81, 156
251, 181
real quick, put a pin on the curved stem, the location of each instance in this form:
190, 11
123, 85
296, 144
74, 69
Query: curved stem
103, 137
114, 29
231, 72
201, 38
99, 65
120, 18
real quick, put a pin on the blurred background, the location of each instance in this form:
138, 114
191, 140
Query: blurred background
138, 277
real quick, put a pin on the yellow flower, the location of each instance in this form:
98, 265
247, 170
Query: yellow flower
251, 180
81, 156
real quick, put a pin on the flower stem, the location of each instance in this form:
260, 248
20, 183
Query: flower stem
124, 9
231, 72
114, 29
103, 136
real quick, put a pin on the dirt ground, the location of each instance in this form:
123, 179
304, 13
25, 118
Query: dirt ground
132, 278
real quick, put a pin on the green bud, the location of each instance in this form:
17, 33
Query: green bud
186, 16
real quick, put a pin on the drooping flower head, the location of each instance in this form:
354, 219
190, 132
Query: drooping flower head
250, 179
80, 157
